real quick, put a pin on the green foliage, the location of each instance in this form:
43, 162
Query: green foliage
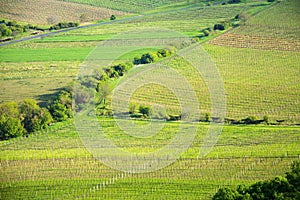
146, 111
33, 117
113, 17
27, 117
4, 30
225, 194
149, 58
62, 25
234, 1
277, 188
293, 177
220, 26
61, 107
133, 108
207, 117
10, 127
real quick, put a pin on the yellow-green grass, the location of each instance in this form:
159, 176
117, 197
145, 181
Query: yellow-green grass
36, 80
48, 12
55, 164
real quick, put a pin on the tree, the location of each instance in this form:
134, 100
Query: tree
225, 194
4, 30
10, 127
104, 90
149, 58
293, 177
113, 17
234, 1
277, 188
61, 107
33, 117
145, 110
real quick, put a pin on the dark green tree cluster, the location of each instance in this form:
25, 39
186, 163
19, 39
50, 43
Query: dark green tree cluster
62, 25
279, 188
113, 17
61, 106
248, 120
9, 28
115, 71
153, 56
234, 1
22, 119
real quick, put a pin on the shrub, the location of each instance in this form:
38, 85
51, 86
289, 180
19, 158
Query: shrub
148, 58
173, 117
234, 1
250, 120
133, 107
113, 17
145, 110
220, 26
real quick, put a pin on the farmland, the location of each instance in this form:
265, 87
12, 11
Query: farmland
258, 62
242, 155
45, 12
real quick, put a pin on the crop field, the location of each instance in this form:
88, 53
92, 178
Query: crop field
129, 6
258, 63
44, 12
274, 29
242, 155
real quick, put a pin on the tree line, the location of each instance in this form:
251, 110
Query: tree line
26, 117
278, 188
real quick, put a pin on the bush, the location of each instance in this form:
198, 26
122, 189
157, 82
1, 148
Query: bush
133, 108
62, 25
148, 58
173, 117
220, 26
234, 1
10, 127
113, 17
278, 188
145, 110
61, 106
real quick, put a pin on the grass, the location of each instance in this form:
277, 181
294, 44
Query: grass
54, 163
242, 155
40, 54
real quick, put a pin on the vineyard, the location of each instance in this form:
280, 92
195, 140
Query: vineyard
44, 12
134, 6
243, 155
258, 62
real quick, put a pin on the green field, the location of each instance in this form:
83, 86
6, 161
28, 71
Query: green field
258, 63
243, 154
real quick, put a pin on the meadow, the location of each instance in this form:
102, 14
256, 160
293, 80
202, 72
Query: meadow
259, 66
